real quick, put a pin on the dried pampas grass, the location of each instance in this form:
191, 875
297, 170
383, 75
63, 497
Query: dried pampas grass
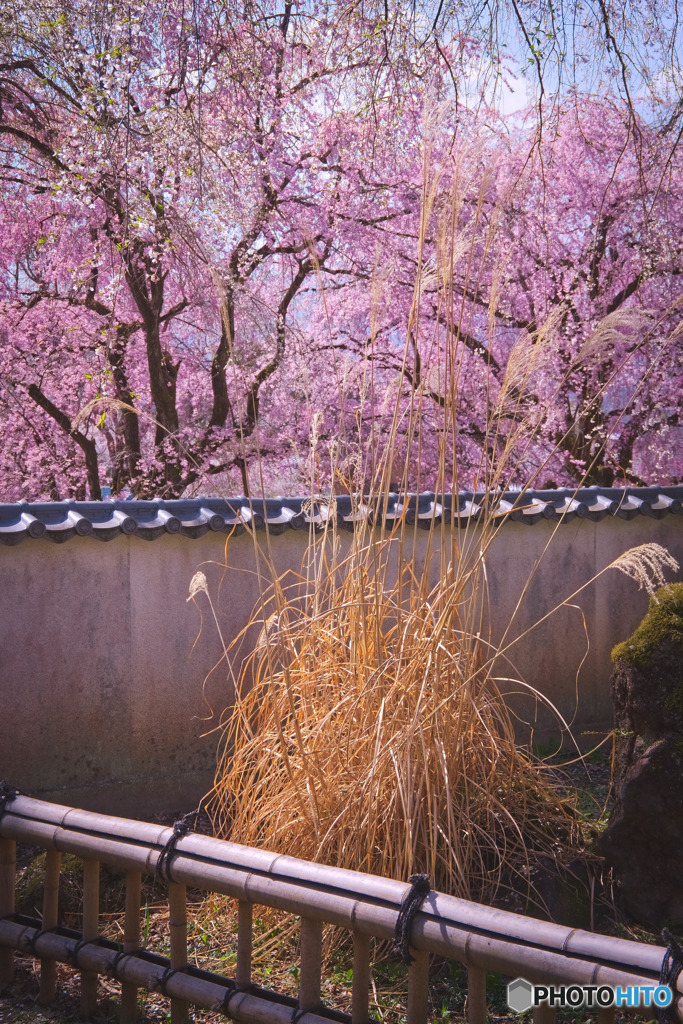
375, 738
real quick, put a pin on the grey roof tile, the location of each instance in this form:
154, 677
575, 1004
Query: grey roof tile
194, 517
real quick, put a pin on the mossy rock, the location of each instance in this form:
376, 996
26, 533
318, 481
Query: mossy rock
643, 840
661, 628
644, 837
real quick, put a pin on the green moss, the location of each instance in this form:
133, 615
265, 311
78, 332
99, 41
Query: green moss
663, 624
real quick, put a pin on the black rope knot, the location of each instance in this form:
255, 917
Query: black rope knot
32, 939
7, 794
411, 903
112, 970
72, 954
225, 1003
181, 828
672, 965
166, 977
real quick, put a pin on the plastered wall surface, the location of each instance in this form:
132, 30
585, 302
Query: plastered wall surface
108, 675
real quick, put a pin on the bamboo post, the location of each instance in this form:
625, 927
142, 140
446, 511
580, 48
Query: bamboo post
48, 968
544, 1014
360, 994
131, 942
177, 920
244, 944
8, 868
311, 964
418, 989
476, 995
91, 922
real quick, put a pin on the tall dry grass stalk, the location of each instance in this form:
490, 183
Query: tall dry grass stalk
368, 728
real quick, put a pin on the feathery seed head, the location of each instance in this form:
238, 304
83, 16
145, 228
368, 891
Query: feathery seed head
646, 564
197, 583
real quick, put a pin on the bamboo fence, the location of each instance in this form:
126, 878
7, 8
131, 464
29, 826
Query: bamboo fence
483, 938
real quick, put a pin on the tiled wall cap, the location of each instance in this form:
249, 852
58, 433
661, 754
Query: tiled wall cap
193, 517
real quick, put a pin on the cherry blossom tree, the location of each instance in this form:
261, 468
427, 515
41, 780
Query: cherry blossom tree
548, 276
222, 225
174, 191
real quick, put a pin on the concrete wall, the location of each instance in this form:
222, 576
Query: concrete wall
103, 661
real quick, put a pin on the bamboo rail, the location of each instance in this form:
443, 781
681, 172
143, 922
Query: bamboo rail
483, 938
